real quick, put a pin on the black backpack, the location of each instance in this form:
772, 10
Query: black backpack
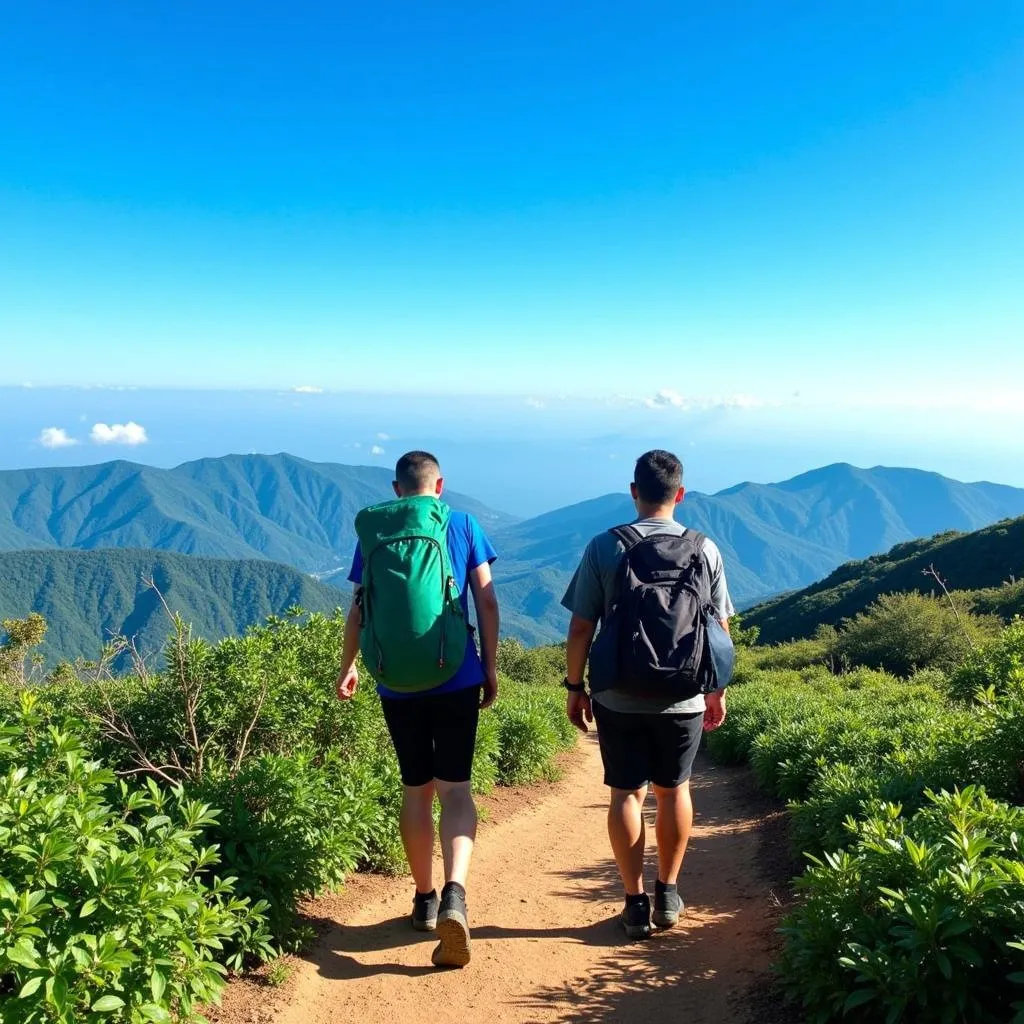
655, 639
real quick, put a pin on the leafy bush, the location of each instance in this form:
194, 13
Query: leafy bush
920, 920
531, 731
997, 666
530, 665
912, 909
109, 907
294, 826
904, 632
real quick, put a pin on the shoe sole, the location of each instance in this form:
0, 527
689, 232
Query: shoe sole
636, 931
453, 947
665, 921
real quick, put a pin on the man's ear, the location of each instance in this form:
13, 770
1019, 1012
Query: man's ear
439, 486
632, 491
680, 494
396, 488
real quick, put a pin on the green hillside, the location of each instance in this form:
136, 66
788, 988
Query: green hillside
88, 596
774, 537
987, 566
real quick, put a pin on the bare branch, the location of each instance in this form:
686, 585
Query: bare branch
240, 756
933, 573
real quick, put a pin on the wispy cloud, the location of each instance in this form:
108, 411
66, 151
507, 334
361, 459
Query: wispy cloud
56, 437
307, 389
383, 437
376, 450
669, 399
130, 433
535, 403
666, 398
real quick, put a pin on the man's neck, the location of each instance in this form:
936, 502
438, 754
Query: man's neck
656, 511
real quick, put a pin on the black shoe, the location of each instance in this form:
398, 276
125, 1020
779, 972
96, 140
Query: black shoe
668, 905
636, 917
424, 911
452, 928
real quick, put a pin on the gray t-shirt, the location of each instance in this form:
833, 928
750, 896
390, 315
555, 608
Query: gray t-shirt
592, 591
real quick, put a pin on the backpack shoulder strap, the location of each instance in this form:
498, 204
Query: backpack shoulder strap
628, 534
696, 538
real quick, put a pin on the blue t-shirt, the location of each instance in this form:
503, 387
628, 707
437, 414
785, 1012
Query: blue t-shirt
468, 549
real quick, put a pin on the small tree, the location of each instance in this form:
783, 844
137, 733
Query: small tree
21, 637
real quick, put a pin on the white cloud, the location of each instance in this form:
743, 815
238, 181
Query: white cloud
56, 437
307, 389
376, 450
667, 399
535, 403
130, 433
383, 437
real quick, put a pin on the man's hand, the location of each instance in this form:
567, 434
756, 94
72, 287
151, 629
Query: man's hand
714, 714
490, 691
348, 683
579, 710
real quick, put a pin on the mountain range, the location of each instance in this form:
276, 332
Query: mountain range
774, 537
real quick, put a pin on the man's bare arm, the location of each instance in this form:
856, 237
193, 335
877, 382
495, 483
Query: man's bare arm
488, 620
348, 677
577, 647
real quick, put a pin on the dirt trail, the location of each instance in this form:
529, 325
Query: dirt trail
543, 899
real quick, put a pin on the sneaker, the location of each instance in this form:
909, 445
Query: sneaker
668, 905
636, 917
452, 929
424, 911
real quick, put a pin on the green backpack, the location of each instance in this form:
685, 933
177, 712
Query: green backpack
414, 633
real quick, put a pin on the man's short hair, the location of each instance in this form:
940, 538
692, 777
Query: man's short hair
416, 471
658, 477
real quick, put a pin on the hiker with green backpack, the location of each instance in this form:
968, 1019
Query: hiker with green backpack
414, 566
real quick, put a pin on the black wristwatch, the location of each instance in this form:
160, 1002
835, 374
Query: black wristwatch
574, 687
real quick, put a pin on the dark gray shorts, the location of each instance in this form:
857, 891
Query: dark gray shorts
638, 749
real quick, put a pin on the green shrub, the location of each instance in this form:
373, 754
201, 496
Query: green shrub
294, 826
527, 736
905, 632
488, 752
997, 665
918, 920
109, 907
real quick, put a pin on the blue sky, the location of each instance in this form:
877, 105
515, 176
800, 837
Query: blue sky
793, 225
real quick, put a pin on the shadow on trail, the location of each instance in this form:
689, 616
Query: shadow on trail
714, 967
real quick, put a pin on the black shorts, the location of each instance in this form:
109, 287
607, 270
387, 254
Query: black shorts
434, 734
644, 748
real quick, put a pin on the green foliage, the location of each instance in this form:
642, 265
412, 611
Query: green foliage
20, 638
997, 667
531, 664
86, 596
919, 920
308, 787
109, 906
531, 728
905, 632
912, 908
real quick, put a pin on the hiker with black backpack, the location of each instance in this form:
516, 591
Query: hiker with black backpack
657, 675
414, 566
